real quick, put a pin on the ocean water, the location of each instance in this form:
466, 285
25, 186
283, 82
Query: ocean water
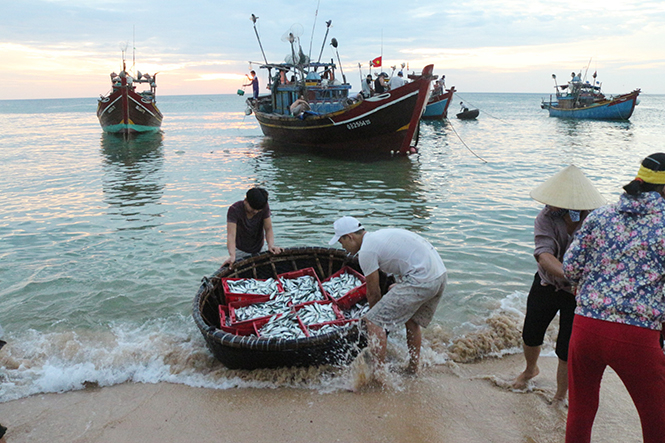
104, 240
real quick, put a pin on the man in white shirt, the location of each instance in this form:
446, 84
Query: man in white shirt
398, 81
420, 277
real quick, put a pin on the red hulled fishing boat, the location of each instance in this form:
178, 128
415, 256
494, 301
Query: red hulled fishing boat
125, 110
329, 119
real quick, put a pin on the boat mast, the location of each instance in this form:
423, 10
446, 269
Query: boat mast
311, 39
325, 38
254, 18
333, 42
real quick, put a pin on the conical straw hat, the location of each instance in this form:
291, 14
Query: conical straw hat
569, 189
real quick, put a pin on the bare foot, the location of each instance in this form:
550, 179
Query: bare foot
560, 403
522, 380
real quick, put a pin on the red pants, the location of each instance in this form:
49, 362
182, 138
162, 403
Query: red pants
635, 354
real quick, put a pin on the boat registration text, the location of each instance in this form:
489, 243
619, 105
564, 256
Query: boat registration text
358, 124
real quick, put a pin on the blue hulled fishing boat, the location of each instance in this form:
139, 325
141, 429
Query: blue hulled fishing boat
583, 100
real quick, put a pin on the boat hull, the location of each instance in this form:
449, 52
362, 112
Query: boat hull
437, 106
252, 352
468, 115
385, 122
618, 108
125, 112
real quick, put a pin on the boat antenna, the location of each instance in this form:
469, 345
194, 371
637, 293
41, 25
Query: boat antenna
328, 23
311, 39
333, 42
254, 18
134, 47
555, 83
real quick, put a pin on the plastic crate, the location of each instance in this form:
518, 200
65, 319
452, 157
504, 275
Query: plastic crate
235, 296
244, 328
300, 273
312, 329
354, 295
259, 325
338, 314
246, 323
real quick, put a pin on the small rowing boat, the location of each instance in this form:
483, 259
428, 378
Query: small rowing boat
245, 344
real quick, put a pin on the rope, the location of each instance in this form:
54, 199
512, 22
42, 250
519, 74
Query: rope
465, 145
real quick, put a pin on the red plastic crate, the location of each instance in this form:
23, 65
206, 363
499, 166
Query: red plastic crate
235, 296
244, 328
336, 310
258, 326
354, 295
302, 272
246, 323
336, 322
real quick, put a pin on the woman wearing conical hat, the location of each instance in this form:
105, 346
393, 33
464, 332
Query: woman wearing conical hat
617, 262
568, 197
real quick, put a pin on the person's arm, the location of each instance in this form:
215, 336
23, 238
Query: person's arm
373, 288
551, 265
231, 229
270, 236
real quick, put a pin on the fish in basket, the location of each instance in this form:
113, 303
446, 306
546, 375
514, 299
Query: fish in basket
298, 308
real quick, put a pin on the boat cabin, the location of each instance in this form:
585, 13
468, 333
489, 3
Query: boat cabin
315, 81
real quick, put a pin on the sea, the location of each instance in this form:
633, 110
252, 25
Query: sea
104, 240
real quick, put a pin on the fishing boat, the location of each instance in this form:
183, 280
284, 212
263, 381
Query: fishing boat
327, 117
468, 114
580, 99
439, 101
125, 110
242, 346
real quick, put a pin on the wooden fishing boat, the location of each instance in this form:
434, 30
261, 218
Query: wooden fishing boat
330, 119
468, 114
580, 99
125, 110
239, 349
439, 101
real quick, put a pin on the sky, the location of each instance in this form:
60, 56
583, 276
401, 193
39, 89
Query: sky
68, 48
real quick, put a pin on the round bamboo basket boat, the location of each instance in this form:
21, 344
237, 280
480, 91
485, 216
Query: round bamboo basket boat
251, 351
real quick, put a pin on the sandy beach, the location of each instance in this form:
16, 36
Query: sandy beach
447, 403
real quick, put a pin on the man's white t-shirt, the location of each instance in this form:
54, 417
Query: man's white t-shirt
400, 253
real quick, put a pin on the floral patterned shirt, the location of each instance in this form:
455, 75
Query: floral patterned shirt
617, 261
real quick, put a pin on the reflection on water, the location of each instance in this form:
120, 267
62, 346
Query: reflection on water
312, 190
132, 175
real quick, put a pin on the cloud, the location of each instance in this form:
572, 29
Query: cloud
198, 43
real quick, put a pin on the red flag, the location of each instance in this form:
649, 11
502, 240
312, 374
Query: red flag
376, 63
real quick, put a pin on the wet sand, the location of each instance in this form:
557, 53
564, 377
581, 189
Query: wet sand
447, 403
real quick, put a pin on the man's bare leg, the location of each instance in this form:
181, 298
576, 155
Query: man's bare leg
413, 342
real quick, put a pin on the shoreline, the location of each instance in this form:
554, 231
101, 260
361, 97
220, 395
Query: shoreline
469, 402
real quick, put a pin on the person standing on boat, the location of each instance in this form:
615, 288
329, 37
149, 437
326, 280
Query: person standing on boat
366, 86
420, 275
617, 262
380, 83
248, 223
568, 197
398, 81
254, 83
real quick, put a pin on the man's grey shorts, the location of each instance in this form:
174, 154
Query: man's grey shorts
408, 301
